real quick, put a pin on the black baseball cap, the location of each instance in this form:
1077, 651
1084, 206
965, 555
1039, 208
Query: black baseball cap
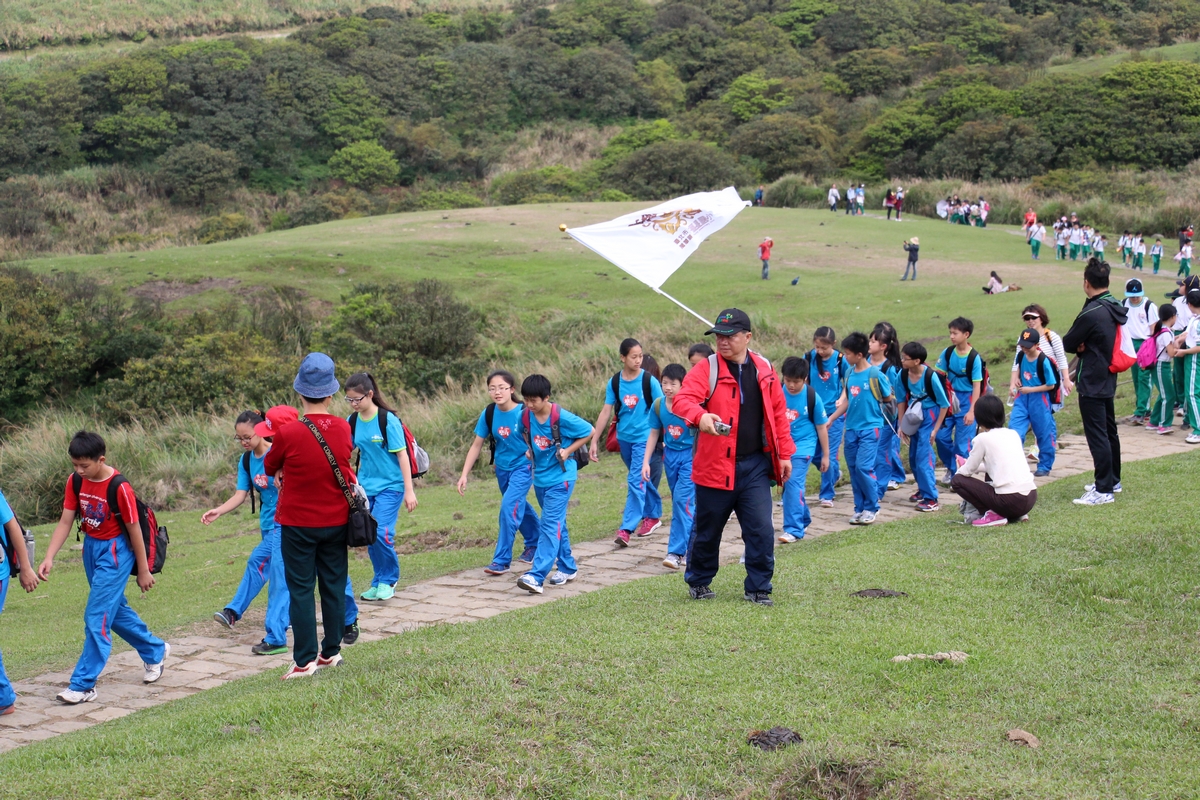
1029, 338
1189, 283
729, 322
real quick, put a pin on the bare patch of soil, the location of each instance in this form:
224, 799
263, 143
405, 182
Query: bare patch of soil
168, 291
444, 539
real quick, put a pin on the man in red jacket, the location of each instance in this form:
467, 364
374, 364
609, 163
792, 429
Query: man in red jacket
733, 472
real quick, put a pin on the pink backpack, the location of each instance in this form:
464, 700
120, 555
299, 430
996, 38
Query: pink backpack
1147, 354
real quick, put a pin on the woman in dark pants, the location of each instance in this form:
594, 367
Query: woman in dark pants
997, 451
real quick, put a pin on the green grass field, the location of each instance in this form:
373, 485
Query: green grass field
1097, 65
1081, 628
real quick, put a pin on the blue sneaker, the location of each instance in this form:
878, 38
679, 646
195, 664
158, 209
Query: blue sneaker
495, 568
527, 555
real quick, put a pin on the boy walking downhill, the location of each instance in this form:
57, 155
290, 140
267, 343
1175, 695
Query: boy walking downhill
806, 416
864, 424
677, 437
1036, 233
1035, 398
1156, 254
1142, 314
1139, 252
553, 435
912, 247
1060, 242
924, 394
827, 371
10, 531
764, 253
964, 367
113, 550
1184, 257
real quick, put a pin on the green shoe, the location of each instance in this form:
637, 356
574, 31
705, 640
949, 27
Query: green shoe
384, 592
370, 594
265, 648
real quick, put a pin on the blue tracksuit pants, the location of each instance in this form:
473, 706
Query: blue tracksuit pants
265, 567
107, 563
955, 437
678, 465
385, 508
7, 695
554, 543
642, 500
920, 455
829, 478
887, 460
796, 515
516, 512
862, 448
1033, 411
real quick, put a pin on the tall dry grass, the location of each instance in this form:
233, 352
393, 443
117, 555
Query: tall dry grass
551, 144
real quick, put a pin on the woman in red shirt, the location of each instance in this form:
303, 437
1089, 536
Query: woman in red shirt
1030, 219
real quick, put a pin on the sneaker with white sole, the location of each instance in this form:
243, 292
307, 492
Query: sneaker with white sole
990, 520
826, 503
529, 584
928, 505
385, 591
673, 561
892, 486
856, 519
647, 527
866, 518
947, 478
1192, 438
333, 661
1091, 487
1163, 430
226, 617
559, 578
74, 698
1093, 498
297, 671
155, 671
787, 538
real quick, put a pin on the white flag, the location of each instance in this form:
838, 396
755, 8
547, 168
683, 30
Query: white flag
651, 244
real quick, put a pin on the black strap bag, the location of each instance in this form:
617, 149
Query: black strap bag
361, 528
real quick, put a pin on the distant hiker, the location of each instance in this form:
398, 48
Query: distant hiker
265, 565
1093, 336
899, 201
1030, 220
997, 453
764, 253
1035, 235
833, 197
758, 196
860, 199
912, 247
1156, 253
500, 426
734, 465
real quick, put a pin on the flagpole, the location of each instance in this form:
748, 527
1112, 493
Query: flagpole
681, 305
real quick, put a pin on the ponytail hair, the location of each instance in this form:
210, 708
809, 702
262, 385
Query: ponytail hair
1166, 312
365, 382
627, 345
509, 379
252, 417
825, 334
885, 334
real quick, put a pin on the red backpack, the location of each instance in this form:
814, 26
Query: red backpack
154, 536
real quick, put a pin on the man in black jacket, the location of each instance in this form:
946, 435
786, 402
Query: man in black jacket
1092, 336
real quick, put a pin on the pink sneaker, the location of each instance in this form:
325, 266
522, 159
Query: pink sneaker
622, 537
990, 519
648, 526
1163, 431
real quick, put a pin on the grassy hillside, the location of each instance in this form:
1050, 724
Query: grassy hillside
1097, 65
1080, 629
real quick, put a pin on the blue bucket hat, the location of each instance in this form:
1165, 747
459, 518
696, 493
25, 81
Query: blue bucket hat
316, 378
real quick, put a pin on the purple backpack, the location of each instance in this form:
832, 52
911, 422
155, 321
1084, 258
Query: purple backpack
1147, 354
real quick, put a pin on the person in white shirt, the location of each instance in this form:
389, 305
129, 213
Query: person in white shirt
833, 197
1036, 234
1156, 254
998, 452
1184, 257
1189, 354
899, 201
1075, 237
1123, 246
1138, 321
1060, 242
1139, 252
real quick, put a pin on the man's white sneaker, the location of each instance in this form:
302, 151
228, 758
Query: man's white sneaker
1093, 498
786, 538
1091, 487
155, 671
74, 698
866, 518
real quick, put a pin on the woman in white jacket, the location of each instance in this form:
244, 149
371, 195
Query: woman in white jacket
998, 452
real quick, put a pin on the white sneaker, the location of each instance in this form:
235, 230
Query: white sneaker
673, 561
856, 519
866, 518
558, 578
74, 698
529, 584
1192, 439
155, 671
947, 478
1093, 498
892, 486
826, 503
1091, 487
786, 538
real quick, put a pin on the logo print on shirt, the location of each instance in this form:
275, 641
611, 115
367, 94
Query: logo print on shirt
792, 415
854, 390
504, 431
543, 442
94, 512
261, 481
1028, 375
630, 400
675, 431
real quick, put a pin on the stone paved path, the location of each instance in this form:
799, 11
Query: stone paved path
204, 662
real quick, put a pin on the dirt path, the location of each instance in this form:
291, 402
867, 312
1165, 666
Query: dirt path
204, 662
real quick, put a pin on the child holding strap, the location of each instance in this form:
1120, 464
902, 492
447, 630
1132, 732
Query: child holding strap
864, 419
1032, 402
808, 431
885, 354
677, 439
265, 564
514, 473
827, 371
964, 367
924, 386
1162, 413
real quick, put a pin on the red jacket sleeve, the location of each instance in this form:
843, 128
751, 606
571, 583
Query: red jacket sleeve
694, 392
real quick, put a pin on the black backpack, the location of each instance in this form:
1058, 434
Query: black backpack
929, 395
647, 393
489, 416
154, 536
253, 488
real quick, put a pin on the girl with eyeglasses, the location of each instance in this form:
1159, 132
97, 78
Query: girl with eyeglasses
499, 426
265, 565
385, 474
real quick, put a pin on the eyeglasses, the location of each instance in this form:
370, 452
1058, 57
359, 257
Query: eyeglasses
494, 389
244, 438
355, 400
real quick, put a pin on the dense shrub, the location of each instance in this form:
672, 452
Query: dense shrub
196, 173
781, 143
364, 165
223, 227
671, 168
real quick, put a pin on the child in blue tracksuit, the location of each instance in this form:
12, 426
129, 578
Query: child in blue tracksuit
634, 393
922, 385
265, 565
112, 549
827, 371
808, 430
10, 531
1032, 407
885, 354
514, 473
385, 474
864, 421
964, 367
677, 437
554, 472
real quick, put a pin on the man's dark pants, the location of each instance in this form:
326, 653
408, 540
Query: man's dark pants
751, 499
1100, 428
311, 557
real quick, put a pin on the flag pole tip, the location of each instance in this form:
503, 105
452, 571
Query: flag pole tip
563, 227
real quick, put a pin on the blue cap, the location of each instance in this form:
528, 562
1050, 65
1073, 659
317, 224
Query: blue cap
315, 378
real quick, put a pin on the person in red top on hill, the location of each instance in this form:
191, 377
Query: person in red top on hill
764, 252
110, 556
312, 513
733, 470
1030, 220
